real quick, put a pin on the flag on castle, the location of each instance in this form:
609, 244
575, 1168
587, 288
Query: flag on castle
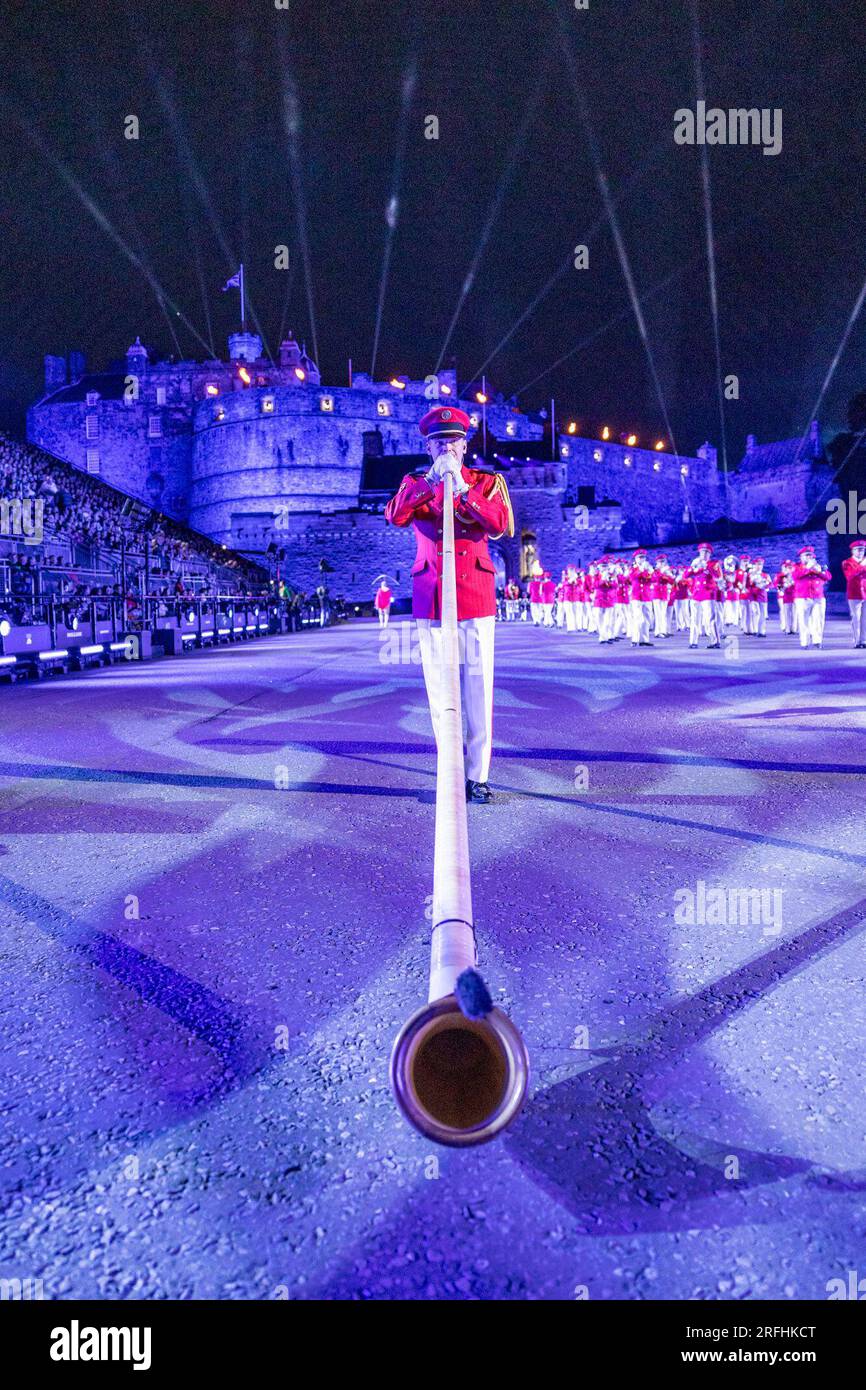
236, 282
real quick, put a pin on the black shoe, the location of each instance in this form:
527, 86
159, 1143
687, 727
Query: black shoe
713, 646
478, 791
693, 646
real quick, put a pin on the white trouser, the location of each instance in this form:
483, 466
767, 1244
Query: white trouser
761, 619
660, 611
640, 620
703, 619
857, 609
537, 612
476, 636
511, 609
681, 607
605, 624
731, 612
547, 609
784, 615
384, 614
560, 612
570, 615
591, 617
620, 619
809, 614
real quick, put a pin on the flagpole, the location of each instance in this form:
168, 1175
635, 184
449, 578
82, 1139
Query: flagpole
243, 307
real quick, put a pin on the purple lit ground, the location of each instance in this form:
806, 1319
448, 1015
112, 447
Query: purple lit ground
197, 1101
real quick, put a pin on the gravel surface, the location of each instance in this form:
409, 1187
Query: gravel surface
214, 874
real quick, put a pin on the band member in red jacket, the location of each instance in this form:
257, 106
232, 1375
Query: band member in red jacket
810, 605
783, 583
382, 603
535, 608
548, 594
512, 600
641, 581
703, 583
854, 570
482, 509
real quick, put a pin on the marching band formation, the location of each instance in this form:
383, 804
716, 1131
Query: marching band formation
644, 599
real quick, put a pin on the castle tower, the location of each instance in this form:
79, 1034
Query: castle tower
136, 359
55, 372
244, 347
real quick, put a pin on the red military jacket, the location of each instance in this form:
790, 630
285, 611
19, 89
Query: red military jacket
855, 577
484, 510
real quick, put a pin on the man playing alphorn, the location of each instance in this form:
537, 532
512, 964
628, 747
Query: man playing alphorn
481, 509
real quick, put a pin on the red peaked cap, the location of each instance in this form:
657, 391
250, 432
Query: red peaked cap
807, 550
705, 545
855, 545
445, 420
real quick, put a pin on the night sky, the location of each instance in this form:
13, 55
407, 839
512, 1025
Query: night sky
210, 182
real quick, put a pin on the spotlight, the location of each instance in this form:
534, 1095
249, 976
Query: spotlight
632, 440
211, 389
659, 444
605, 434
572, 427
480, 398
5, 627
446, 390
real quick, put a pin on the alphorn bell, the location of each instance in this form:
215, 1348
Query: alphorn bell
459, 1068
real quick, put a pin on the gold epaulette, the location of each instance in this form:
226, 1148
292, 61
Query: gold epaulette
500, 486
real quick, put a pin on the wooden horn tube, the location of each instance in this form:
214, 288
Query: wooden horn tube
457, 1080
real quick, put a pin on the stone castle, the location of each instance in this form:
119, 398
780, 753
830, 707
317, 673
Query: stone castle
260, 456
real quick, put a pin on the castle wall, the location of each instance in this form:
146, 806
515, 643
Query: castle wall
296, 456
780, 497
650, 486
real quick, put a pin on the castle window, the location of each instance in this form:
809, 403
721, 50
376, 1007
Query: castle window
160, 395
268, 405
598, 455
473, 419
92, 397
154, 427
510, 427
565, 451
627, 460
93, 460
91, 427
383, 407
219, 413
326, 402
657, 468
685, 470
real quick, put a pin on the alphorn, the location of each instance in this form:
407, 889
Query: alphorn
459, 1068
